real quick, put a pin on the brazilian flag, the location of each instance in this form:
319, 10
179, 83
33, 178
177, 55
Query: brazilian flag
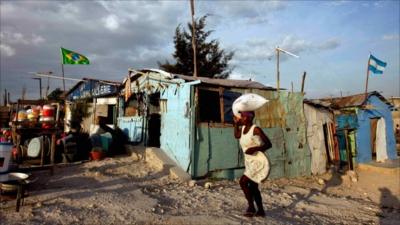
70, 57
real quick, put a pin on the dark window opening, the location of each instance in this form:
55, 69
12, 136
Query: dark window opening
209, 106
110, 114
229, 98
210, 103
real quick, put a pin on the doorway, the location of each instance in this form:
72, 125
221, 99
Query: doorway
378, 139
154, 121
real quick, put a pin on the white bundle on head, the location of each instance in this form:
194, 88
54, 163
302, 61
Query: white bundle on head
247, 102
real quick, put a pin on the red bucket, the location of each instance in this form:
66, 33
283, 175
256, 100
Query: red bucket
48, 111
96, 155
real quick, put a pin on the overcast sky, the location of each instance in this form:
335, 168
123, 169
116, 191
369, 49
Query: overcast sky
332, 38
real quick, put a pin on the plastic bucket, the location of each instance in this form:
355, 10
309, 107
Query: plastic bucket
48, 111
97, 154
5, 156
106, 140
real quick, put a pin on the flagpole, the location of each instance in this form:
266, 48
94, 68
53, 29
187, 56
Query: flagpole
366, 83
62, 68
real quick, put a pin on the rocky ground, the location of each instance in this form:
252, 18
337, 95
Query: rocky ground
122, 190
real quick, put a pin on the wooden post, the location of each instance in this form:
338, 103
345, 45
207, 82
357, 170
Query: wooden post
292, 86
5, 97
366, 82
221, 104
194, 40
42, 151
302, 82
52, 152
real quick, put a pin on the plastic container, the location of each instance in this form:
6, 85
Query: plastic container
5, 156
47, 122
22, 115
96, 154
48, 111
105, 140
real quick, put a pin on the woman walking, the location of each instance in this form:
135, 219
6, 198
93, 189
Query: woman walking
253, 142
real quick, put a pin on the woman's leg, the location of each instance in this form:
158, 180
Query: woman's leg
245, 185
257, 198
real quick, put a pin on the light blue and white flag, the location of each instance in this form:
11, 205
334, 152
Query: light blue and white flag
375, 65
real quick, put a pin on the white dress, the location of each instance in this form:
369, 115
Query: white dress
256, 165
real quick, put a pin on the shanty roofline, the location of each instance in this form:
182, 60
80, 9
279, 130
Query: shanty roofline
226, 82
135, 74
347, 101
85, 79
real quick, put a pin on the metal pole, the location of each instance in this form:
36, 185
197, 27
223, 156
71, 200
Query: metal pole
40, 86
62, 68
277, 69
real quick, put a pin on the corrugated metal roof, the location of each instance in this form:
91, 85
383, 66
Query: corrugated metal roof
226, 82
347, 101
85, 79
135, 74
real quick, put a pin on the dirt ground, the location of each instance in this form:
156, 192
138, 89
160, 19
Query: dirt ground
122, 190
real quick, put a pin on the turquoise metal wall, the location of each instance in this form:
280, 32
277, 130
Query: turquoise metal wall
175, 124
132, 127
217, 151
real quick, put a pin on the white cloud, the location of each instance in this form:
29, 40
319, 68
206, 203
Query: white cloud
37, 39
6, 50
391, 37
238, 76
19, 38
329, 44
111, 22
337, 2
262, 49
69, 11
234, 13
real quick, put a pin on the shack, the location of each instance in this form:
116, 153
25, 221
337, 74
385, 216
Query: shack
191, 120
364, 126
100, 98
321, 137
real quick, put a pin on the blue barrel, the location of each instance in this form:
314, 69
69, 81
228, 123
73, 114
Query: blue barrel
5, 156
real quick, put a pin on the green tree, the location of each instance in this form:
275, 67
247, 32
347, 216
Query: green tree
211, 60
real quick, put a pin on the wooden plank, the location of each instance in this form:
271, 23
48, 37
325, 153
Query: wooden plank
221, 104
42, 151
52, 152
36, 102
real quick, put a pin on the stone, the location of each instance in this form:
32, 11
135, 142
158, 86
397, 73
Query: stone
321, 181
208, 185
192, 183
38, 204
153, 209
